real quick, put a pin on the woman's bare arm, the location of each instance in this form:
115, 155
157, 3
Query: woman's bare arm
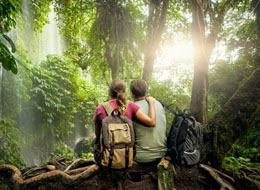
150, 119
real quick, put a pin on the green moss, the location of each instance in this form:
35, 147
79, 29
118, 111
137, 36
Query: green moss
3, 186
68, 182
42, 187
167, 182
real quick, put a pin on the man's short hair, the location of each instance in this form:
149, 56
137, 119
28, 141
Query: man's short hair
138, 88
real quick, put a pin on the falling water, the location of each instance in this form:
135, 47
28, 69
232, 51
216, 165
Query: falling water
50, 41
38, 46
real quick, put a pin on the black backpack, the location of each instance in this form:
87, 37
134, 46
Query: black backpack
184, 141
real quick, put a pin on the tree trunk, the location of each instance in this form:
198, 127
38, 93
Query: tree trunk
233, 120
156, 24
1, 91
200, 81
203, 46
113, 61
115, 66
199, 101
256, 6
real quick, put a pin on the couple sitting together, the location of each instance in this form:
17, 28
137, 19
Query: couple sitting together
148, 118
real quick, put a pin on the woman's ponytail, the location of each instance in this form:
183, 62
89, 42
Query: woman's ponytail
117, 90
121, 102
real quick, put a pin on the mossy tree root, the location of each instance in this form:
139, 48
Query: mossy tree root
17, 181
224, 184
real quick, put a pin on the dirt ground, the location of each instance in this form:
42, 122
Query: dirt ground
138, 177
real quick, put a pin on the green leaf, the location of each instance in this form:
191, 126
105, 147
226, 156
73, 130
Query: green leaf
10, 42
4, 49
14, 66
6, 64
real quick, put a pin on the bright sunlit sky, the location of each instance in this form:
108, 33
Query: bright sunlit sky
176, 54
176, 57
173, 58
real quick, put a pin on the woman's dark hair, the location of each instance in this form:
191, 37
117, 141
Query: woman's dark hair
117, 91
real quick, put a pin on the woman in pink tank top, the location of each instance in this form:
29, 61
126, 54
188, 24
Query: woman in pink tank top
118, 101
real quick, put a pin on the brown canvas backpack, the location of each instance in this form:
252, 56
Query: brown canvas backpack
116, 140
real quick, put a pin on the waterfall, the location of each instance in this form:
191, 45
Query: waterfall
37, 46
50, 41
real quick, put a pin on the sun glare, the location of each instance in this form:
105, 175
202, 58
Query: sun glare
178, 52
183, 51
174, 59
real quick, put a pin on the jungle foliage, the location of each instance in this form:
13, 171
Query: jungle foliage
50, 103
9, 11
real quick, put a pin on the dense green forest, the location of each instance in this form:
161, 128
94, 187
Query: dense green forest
59, 56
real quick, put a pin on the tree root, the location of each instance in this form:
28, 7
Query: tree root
79, 162
58, 163
254, 171
215, 174
202, 180
80, 173
16, 175
32, 172
17, 181
253, 177
78, 170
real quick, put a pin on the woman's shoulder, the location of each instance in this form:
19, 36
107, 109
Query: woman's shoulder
99, 109
132, 105
130, 102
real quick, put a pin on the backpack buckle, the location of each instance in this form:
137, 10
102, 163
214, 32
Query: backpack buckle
111, 151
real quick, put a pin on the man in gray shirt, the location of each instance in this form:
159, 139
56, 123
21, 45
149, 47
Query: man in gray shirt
150, 141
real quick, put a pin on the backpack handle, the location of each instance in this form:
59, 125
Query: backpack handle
115, 112
187, 112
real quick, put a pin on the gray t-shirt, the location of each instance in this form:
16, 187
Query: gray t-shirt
150, 141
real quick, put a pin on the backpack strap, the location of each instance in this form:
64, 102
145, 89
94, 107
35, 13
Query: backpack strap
169, 107
111, 154
126, 156
109, 109
175, 130
127, 102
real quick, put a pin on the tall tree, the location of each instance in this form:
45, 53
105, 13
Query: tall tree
156, 23
237, 115
203, 45
256, 6
113, 31
234, 119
